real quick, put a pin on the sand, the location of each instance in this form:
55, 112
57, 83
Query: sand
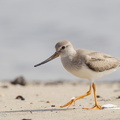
42, 101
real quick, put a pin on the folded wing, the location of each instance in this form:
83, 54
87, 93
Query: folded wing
100, 62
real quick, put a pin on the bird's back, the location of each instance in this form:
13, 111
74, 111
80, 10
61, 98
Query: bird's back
90, 64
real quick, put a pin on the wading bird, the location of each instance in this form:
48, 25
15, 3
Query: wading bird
84, 64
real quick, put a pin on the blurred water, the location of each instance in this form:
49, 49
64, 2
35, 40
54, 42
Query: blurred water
30, 29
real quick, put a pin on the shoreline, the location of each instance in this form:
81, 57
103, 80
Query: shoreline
42, 100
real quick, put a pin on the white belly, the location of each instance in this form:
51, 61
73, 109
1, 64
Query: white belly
86, 73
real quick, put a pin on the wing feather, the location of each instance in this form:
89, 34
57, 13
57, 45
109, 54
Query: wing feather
100, 62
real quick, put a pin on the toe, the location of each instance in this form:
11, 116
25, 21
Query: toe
93, 108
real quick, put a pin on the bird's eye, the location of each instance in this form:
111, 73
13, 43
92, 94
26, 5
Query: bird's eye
63, 47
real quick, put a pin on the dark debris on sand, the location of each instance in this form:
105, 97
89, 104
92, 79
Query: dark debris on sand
118, 97
26, 119
19, 80
54, 83
52, 105
4, 86
20, 97
98, 96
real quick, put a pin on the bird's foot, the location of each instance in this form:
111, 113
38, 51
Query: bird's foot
95, 107
70, 103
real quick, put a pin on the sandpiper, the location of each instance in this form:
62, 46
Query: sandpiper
84, 64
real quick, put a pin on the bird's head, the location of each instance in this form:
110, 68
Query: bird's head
63, 48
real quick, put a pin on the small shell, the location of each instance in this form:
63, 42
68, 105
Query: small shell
110, 106
72, 98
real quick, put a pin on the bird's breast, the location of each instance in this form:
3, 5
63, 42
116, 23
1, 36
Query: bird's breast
71, 64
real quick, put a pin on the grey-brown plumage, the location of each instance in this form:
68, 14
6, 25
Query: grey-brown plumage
95, 61
100, 62
85, 64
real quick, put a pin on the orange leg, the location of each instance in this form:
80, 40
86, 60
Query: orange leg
71, 102
97, 106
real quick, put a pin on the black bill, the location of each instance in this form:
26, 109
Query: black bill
55, 55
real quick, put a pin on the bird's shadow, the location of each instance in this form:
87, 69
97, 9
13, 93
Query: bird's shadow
38, 110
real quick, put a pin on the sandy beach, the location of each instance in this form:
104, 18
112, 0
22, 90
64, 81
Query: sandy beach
42, 100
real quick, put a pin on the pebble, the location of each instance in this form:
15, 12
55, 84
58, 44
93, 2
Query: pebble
52, 105
20, 97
